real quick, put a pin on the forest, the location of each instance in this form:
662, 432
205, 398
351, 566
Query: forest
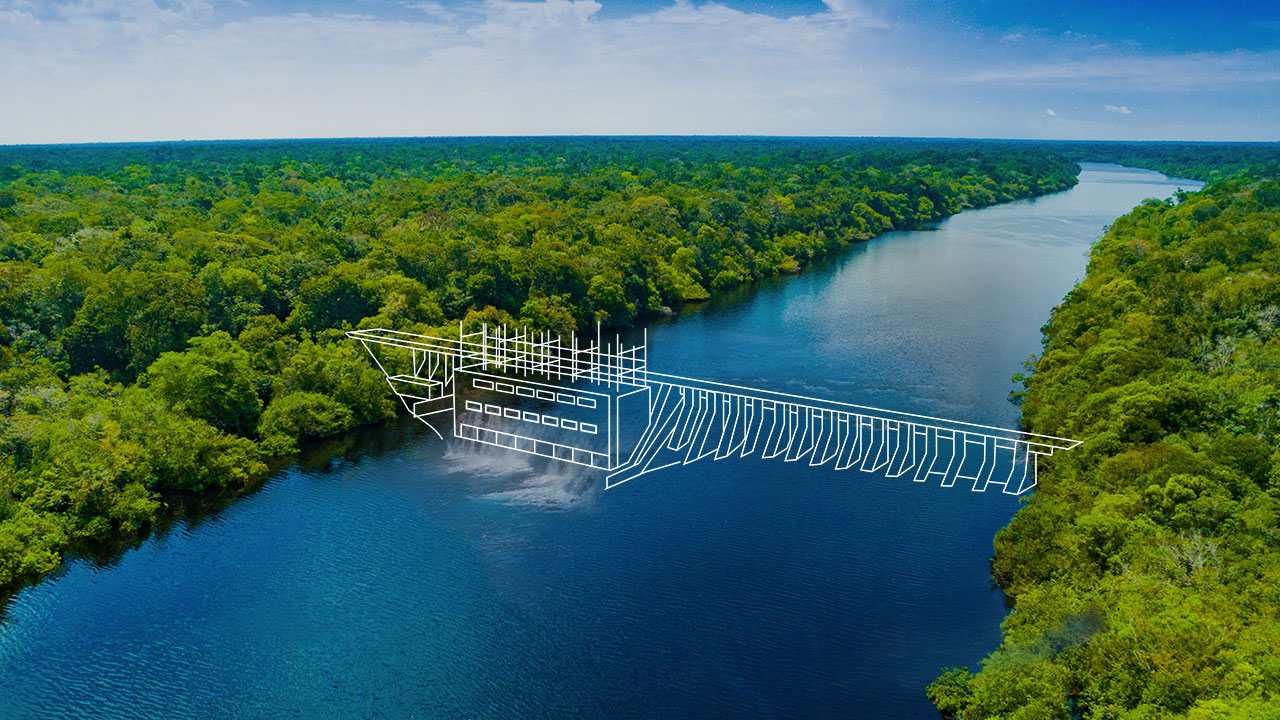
172, 315
1200, 160
1145, 569
172, 318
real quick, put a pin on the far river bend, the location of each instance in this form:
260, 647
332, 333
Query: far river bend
402, 578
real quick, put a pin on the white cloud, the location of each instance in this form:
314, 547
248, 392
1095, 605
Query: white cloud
511, 18
850, 9
505, 67
102, 70
433, 9
1050, 112
1116, 109
1100, 69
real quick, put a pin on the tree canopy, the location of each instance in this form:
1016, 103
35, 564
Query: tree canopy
1146, 567
171, 315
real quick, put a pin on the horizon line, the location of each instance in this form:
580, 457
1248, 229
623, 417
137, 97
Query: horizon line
337, 138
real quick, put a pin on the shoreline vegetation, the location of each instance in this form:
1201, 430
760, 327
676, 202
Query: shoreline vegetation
172, 315
1144, 571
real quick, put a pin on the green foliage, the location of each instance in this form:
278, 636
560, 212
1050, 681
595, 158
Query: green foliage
219, 276
300, 415
92, 459
343, 295
213, 380
950, 693
123, 252
341, 372
1166, 520
129, 318
1206, 161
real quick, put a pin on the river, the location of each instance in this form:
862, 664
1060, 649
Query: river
405, 578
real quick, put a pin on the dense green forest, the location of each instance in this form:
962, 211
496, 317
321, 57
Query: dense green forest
171, 320
171, 315
1146, 567
1203, 161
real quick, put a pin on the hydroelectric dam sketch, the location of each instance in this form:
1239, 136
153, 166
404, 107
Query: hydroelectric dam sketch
599, 406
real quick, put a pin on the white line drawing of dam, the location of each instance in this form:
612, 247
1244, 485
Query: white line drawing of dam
597, 404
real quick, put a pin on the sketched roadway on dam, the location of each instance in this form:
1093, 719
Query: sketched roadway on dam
597, 404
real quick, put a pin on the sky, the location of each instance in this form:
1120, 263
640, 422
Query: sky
139, 70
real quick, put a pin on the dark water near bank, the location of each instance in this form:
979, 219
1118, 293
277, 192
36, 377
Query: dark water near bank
404, 579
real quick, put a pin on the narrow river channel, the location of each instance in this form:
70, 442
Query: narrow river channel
407, 578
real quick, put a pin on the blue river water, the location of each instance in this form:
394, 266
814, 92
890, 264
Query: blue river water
397, 576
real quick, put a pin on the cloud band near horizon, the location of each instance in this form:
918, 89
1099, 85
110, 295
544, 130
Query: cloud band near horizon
121, 70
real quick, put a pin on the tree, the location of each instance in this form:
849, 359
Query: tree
342, 295
608, 301
213, 380
550, 314
299, 415
338, 371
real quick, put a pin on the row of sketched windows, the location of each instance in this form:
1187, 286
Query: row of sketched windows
525, 391
532, 417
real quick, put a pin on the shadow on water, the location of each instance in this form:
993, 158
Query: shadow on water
187, 511
815, 270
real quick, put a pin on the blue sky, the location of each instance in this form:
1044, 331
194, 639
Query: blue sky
110, 70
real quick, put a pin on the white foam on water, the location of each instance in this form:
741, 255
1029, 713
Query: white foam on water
520, 479
483, 461
561, 488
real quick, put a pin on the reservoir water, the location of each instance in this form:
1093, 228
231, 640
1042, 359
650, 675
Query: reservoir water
396, 576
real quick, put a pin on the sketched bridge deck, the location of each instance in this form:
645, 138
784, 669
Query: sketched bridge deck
693, 419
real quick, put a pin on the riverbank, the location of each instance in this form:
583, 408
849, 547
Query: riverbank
1144, 569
